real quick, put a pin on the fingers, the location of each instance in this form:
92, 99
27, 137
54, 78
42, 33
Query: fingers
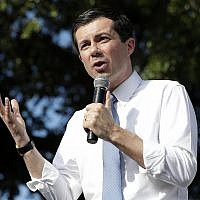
108, 101
1, 107
15, 106
7, 109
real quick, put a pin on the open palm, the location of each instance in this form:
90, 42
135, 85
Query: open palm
11, 116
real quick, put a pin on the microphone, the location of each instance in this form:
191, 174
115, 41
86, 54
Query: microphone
101, 85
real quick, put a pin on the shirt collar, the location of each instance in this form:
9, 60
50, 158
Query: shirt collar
126, 90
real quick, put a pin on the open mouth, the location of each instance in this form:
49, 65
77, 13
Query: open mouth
100, 66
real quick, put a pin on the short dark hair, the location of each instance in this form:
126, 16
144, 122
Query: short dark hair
122, 25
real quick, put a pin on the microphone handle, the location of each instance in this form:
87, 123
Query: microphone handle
99, 97
91, 137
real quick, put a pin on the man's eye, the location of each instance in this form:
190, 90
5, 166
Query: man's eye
85, 45
104, 39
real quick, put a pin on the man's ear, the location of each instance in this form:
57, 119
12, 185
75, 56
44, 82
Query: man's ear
130, 45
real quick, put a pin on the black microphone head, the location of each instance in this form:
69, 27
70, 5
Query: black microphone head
101, 81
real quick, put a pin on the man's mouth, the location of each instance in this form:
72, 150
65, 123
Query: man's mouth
100, 66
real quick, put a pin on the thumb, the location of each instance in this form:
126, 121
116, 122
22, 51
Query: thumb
15, 106
108, 101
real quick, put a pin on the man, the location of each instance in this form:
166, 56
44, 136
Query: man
156, 136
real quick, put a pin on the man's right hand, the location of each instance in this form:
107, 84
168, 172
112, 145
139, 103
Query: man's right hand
11, 116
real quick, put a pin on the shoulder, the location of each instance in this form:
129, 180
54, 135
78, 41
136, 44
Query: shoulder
161, 85
161, 88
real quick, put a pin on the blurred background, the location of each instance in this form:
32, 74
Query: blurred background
40, 70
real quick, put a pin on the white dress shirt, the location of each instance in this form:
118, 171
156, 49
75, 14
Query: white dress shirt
159, 112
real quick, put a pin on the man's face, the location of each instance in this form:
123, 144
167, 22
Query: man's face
102, 51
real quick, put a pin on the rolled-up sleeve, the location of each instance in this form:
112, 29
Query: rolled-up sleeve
173, 158
173, 165
55, 185
52, 185
49, 176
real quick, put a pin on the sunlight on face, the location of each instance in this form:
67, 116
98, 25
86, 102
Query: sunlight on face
102, 51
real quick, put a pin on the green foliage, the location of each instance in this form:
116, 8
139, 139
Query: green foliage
48, 79
157, 68
31, 26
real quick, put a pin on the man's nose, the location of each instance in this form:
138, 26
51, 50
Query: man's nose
95, 50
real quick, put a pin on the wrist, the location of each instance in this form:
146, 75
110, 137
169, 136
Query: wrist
115, 134
22, 141
26, 148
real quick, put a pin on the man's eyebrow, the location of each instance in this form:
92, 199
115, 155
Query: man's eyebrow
99, 35
96, 37
82, 41
103, 33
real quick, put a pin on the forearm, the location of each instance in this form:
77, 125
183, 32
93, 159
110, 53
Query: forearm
34, 163
129, 143
32, 158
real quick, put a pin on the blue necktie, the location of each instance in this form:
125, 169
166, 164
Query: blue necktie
112, 188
